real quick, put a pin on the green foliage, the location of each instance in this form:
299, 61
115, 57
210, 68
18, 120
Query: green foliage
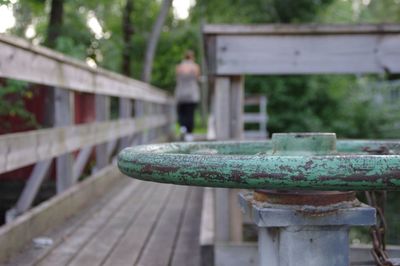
320, 103
259, 11
12, 96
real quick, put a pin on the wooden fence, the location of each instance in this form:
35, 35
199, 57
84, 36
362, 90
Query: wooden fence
152, 109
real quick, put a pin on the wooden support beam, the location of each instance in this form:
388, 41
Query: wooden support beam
229, 93
80, 162
30, 190
222, 121
111, 145
222, 108
37, 221
307, 54
63, 108
237, 107
222, 215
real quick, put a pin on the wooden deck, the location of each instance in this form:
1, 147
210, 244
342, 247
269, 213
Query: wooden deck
136, 223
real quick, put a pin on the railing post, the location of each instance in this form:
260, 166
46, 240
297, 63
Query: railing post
63, 116
125, 110
139, 113
102, 106
228, 117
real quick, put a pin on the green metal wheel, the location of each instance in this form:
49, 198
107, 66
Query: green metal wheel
308, 161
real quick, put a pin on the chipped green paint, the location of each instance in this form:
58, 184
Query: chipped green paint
310, 163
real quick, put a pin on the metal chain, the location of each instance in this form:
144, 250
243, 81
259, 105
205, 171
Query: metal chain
377, 199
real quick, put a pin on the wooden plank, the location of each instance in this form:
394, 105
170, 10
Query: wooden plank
98, 248
254, 117
102, 106
187, 250
31, 255
38, 145
32, 186
159, 248
76, 240
236, 217
229, 29
222, 108
63, 113
21, 60
308, 54
131, 245
237, 107
14, 235
207, 228
255, 134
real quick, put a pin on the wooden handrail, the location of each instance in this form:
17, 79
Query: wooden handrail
22, 60
153, 117
25, 148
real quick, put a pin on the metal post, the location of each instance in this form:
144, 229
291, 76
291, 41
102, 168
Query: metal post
305, 228
305, 235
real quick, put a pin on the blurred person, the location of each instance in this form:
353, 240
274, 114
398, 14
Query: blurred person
187, 93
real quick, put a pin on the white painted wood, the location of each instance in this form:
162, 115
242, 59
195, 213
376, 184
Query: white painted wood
20, 59
63, 115
222, 215
32, 186
255, 134
307, 54
227, 254
38, 145
102, 106
288, 29
263, 110
207, 225
259, 117
80, 162
125, 110
237, 107
254, 117
236, 254
236, 217
222, 108
222, 121
139, 107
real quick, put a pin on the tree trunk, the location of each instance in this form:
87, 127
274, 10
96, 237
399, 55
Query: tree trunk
53, 32
153, 40
127, 32
55, 22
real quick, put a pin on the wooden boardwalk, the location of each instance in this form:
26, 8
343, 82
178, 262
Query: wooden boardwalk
136, 223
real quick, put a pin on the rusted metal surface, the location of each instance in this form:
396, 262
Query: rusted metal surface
258, 165
314, 198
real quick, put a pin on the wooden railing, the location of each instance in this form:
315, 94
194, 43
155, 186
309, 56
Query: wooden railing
153, 117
